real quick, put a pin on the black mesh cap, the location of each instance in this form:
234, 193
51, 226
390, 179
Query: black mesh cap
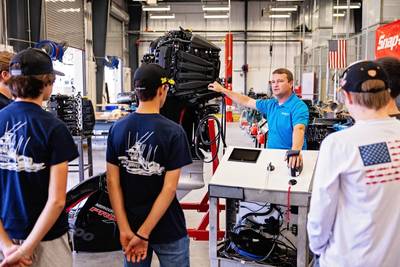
360, 72
150, 77
32, 61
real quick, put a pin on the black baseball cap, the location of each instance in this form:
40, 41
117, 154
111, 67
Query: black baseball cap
150, 76
32, 61
359, 72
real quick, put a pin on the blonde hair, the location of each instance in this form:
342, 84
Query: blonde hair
372, 100
5, 58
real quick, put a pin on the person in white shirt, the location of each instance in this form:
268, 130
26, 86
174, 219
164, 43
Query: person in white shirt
354, 217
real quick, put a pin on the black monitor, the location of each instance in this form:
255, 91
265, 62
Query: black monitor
244, 155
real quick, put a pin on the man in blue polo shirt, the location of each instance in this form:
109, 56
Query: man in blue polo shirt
287, 115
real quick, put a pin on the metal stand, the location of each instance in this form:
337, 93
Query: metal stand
81, 162
201, 232
261, 140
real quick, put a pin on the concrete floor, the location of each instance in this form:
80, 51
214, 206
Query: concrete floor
198, 249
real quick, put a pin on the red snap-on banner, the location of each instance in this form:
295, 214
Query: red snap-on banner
388, 40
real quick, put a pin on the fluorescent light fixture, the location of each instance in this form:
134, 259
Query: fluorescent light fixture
215, 8
169, 16
69, 10
156, 8
351, 6
220, 16
279, 16
55, 1
339, 14
294, 8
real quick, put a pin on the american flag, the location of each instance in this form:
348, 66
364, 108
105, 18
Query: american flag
337, 54
381, 161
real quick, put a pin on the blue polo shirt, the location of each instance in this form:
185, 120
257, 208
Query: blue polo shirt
282, 119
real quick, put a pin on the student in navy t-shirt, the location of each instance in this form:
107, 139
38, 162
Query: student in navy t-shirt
145, 154
35, 148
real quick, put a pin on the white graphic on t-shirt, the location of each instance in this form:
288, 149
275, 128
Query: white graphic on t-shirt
10, 149
136, 163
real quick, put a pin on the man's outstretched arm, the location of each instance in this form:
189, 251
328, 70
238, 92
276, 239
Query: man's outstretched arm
236, 97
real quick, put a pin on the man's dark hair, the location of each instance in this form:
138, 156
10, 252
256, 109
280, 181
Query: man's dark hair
392, 67
29, 86
145, 93
147, 79
288, 73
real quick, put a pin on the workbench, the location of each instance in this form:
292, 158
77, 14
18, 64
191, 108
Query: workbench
245, 176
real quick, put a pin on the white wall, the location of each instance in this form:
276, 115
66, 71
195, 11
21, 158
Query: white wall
72, 66
391, 10
113, 79
376, 14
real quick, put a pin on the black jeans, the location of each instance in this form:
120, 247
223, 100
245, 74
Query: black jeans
316, 261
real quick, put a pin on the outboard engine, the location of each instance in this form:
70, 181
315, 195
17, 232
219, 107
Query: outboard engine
193, 63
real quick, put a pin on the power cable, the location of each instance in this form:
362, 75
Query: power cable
219, 136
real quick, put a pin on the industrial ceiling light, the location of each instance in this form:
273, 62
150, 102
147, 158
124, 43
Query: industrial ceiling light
69, 10
351, 6
294, 8
169, 16
215, 8
55, 1
156, 8
220, 16
279, 16
339, 15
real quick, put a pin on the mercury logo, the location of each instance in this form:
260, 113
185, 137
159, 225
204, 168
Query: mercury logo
389, 42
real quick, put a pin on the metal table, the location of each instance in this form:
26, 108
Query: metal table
251, 181
102, 127
82, 166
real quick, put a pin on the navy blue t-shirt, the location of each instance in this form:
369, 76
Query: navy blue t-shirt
31, 141
4, 101
145, 146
